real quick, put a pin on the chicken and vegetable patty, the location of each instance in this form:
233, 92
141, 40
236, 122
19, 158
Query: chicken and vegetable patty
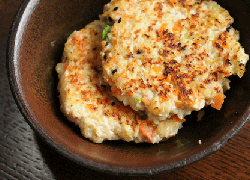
87, 101
170, 57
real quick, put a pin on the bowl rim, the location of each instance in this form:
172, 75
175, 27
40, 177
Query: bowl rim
17, 28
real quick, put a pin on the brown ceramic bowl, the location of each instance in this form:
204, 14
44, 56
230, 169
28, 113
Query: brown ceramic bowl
36, 43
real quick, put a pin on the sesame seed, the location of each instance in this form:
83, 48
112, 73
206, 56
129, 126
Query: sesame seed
105, 57
119, 20
114, 71
138, 51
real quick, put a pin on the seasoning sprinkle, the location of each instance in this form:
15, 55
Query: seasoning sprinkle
116, 8
113, 103
119, 20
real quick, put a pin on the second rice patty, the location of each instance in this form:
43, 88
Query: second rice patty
87, 101
170, 57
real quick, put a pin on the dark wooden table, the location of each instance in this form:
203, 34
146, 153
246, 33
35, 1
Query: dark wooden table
23, 155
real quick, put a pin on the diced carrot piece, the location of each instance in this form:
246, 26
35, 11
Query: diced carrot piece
179, 104
168, 78
146, 101
65, 66
145, 130
130, 93
91, 107
220, 42
216, 41
116, 90
225, 45
120, 75
156, 69
172, 2
110, 80
162, 30
163, 78
83, 30
197, 41
177, 26
176, 118
160, 78
164, 97
163, 27
218, 101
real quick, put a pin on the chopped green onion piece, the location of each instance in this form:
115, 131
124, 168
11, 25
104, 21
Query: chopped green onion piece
139, 100
105, 31
215, 6
186, 37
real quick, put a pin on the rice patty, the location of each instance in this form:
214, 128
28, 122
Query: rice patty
170, 57
87, 101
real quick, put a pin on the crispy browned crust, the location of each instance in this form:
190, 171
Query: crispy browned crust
170, 57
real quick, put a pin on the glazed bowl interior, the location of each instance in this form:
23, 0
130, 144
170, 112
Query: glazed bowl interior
38, 34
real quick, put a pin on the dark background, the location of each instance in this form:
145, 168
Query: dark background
23, 155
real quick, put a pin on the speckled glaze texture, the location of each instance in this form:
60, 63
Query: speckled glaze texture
38, 34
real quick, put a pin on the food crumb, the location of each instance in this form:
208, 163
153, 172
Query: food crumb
199, 141
53, 43
200, 115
